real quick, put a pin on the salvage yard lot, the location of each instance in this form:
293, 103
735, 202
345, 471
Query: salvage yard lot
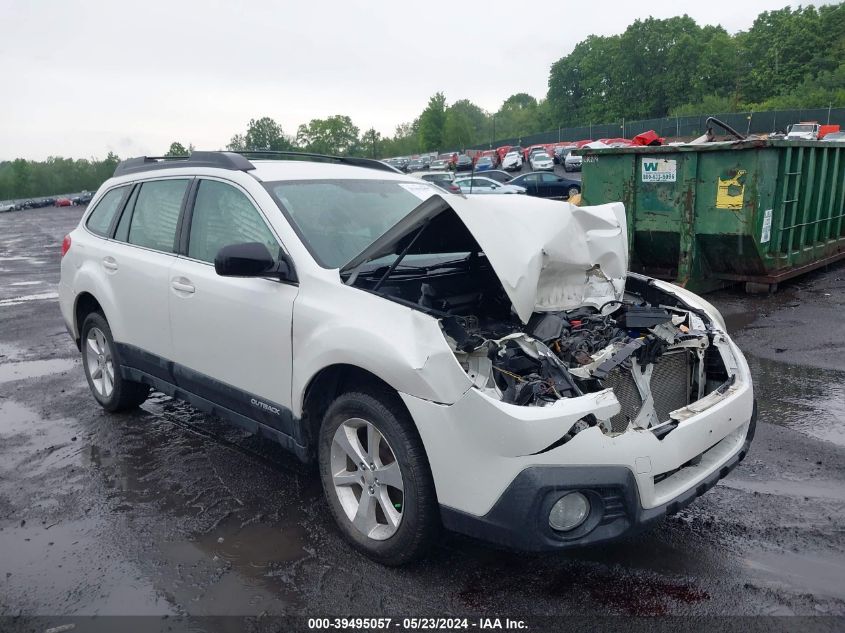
166, 511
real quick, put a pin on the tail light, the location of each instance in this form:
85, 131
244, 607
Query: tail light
454, 189
65, 245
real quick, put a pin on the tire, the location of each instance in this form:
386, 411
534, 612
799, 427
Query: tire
572, 191
100, 361
409, 499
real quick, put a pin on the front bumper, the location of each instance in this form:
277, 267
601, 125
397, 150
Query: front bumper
519, 519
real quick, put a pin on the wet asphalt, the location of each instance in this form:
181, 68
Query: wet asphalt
166, 511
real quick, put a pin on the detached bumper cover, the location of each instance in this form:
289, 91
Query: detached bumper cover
519, 519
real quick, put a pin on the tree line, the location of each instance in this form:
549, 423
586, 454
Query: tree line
789, 58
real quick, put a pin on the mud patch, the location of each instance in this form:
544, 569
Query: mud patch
34, 368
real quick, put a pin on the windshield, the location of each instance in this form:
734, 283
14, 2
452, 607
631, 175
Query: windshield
486, 160
337, 219
804, 127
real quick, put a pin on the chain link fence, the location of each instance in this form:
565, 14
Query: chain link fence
680, 127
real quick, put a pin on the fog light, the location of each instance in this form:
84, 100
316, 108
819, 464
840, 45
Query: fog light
569, 512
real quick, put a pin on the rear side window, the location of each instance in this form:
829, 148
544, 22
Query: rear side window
156, 214
101, 217
222, 216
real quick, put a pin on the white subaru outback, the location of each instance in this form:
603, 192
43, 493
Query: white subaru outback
485, 364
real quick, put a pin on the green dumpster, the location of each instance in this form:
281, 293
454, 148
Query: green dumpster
710, 215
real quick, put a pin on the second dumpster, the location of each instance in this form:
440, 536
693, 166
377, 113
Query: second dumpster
712, 214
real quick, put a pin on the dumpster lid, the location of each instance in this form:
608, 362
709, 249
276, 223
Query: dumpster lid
711, 146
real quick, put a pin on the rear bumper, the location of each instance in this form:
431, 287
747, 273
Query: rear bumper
519, 519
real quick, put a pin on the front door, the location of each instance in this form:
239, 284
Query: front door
231, 335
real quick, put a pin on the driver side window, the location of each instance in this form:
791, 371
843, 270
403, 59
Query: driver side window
222, 216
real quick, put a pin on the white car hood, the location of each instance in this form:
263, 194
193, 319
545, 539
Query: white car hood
548, 255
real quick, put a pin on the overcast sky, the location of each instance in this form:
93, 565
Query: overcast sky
81, 78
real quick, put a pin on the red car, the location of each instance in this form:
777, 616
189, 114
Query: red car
63, 202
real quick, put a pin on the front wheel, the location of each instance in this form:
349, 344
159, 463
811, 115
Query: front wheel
376, 477
102, 368
573, 191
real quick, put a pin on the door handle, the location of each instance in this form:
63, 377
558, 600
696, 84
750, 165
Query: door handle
180, 284
110, 264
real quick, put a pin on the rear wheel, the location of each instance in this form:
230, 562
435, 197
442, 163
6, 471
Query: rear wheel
376, 477
102, 368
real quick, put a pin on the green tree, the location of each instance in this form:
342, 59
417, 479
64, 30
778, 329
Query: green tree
333, 135
266, 134
432, 123
466, 124
237, 143
176, 149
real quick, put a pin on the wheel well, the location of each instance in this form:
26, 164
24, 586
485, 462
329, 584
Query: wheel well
85, 305
328, 384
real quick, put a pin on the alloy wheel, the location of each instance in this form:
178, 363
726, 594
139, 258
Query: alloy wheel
367, 479
100, 363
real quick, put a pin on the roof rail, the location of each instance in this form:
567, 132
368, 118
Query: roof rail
327, 158
238, 161
221, 160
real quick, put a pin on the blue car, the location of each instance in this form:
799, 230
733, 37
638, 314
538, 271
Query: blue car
484, 163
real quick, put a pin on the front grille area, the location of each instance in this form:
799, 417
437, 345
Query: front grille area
626, 392
670, 386
670, 383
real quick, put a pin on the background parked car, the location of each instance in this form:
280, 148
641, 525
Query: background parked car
571, 162
834, 137
541, 161
63, 202
7, 206
547, 185
482, 185
512, 161
498, 175
484, 163
416, 164
464, 163
443, 179
83, 198
438, 164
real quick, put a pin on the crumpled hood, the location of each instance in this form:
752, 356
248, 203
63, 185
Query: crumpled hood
548, 255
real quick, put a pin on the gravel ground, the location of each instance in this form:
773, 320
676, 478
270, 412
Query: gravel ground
166, 511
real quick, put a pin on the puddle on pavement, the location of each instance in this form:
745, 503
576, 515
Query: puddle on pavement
818, 574
254, 564
10, 371
806, 399
64, 562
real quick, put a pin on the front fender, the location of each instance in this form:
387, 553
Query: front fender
403, 347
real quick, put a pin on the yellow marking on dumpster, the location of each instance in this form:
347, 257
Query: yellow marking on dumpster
731, 190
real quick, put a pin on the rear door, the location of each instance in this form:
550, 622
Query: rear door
137, 266
231, 335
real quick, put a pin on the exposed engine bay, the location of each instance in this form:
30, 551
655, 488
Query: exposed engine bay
592, 327
655, 353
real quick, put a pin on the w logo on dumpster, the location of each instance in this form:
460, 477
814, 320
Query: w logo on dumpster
659, 170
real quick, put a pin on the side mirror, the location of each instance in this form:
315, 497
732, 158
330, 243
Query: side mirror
252, 259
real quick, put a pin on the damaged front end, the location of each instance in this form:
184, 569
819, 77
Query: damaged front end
657, 356
536, 304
